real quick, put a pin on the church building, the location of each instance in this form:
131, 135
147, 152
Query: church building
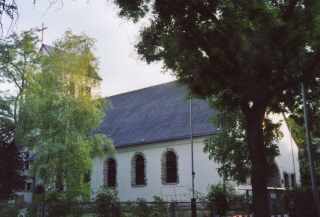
158, 133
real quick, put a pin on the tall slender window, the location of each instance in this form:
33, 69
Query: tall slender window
171, 168
111, 173
140, 170
26, 162
293, 180
286, 180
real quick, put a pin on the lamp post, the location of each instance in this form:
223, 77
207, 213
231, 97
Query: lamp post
312, 171
193, 200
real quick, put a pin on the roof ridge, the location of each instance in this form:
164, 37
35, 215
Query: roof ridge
141, 89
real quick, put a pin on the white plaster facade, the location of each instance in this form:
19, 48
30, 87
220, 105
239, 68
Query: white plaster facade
205, 169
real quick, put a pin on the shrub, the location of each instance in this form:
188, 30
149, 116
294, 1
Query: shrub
108, 199
218, 193
9, 211
61, 203
299, 201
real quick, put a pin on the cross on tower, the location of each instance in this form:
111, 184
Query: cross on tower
42, 32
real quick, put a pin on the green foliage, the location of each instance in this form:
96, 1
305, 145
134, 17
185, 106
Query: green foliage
19, 61
200, 197
229, 148
9, 211
299, 201
248, 54
11, 168
298, 132
219, 194
161, 207
224, 197
62, 203
105, 195
59, 113
141, 208
296, 123
108, 199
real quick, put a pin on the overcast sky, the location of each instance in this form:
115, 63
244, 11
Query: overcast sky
120, 68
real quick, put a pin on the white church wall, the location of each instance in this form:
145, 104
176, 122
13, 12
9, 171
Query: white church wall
204, 168
288, 161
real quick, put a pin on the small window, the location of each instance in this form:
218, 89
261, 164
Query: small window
286, 180
87, 178
111, 173
171, 168
22, 186
139, 170
29, 187
293, 180
26, 162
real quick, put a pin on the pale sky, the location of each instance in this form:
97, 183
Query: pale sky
120, 68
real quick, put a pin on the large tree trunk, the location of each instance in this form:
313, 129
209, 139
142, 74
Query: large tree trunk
257, 155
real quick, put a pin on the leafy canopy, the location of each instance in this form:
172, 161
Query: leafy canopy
59, 112
11, 167
247, 54
19, 61
229, 148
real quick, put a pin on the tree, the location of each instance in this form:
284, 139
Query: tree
229, 148
18, 63
8, 8
59, 113
297, 125
247, 54
11, 167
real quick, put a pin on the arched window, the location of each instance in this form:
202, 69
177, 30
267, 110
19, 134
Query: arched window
139, 170
171, 168
274, 178
111, 173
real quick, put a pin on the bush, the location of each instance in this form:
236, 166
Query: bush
109, 199
219, 195
141, 208
299, 201
161, 207
9, 211
224, 198
60, 203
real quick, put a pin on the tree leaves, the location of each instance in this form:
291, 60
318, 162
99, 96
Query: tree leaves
59, 110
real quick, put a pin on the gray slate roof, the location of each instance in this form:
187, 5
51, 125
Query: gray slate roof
46, 49
153, 114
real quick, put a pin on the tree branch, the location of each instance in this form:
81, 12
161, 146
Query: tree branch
304, 77
289, 12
